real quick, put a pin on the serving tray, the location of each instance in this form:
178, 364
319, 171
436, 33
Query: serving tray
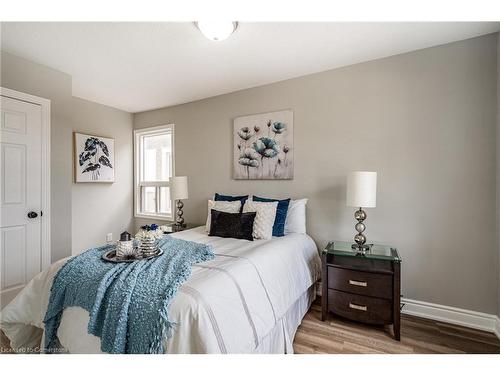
110, 256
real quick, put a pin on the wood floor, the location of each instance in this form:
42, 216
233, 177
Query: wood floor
4, 344
342, 336
337, 335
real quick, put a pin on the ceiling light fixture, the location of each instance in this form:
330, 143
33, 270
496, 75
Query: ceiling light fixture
216, 30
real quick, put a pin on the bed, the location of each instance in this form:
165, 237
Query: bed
250, 299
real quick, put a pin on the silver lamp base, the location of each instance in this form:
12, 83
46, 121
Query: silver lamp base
179, 221
360, 248
360, 238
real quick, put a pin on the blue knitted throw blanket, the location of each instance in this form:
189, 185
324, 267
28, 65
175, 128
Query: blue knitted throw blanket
127, 302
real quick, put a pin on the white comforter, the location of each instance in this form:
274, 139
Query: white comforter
228, 305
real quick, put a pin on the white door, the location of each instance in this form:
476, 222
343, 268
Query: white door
20, 195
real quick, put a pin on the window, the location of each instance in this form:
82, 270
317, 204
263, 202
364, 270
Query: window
154, 166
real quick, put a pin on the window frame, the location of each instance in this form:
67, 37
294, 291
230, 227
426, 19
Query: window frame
138, 184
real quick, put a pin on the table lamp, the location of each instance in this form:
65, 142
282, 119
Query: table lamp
362, 193
179, 191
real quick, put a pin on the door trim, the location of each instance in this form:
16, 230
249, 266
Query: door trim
45, 219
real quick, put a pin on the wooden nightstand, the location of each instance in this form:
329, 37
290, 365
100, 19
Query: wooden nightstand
362, 287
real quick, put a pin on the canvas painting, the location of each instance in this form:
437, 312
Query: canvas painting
94, 158
263, 146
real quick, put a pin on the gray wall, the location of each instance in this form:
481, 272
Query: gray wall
73, 224
99, 209
425, 121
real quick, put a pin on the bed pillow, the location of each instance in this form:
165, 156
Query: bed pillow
231, 198
230, 225
281, 211
264, 220
232, 207
296, 217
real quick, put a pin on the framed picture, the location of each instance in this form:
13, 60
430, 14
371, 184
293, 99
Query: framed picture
263, 146
94, 158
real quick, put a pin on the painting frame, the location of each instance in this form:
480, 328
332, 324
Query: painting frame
263, 146
96, 162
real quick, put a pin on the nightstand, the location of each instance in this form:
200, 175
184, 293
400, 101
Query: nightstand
365, 287
168, 229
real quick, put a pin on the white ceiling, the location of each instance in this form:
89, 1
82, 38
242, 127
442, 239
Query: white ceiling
141, 66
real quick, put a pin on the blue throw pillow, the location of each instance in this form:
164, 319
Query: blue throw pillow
230, 198
281, 211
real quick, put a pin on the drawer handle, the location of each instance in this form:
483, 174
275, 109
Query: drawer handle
358, 283
357, 307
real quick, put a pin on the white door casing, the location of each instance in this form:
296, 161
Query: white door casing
24, 180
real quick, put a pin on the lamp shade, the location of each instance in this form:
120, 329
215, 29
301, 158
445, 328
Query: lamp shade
362, 189
179, 188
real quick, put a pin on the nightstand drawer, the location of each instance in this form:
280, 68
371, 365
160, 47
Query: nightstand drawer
361, 308
365, 283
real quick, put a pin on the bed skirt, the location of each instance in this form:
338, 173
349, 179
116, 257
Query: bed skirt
280, 339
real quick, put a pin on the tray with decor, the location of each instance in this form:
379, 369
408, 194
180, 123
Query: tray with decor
111, 256
143, 247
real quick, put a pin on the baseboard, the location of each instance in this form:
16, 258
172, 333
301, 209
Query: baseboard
454, 315
448, 314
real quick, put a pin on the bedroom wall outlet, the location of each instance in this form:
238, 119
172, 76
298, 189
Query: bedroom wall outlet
109, 237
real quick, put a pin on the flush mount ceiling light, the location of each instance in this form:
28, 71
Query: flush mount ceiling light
216, 30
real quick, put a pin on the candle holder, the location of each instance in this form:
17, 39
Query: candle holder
125, 247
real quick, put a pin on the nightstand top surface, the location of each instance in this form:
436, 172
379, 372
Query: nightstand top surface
171, 228
381, 252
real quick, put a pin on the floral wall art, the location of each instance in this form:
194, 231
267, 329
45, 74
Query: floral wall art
94, 158
263, 146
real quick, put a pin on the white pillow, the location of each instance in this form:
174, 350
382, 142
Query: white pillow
296, 217
231, 207
264, 219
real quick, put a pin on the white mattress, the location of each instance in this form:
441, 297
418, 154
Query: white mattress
231, 304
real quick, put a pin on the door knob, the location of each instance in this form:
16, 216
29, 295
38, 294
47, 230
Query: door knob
32, 214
